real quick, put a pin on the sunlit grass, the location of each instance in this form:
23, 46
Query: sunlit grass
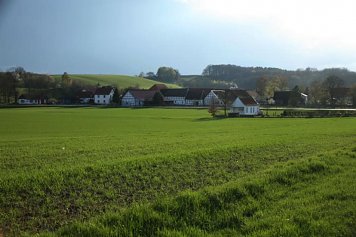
62, 165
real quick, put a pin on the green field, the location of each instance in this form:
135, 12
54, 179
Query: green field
174, 172
120, 81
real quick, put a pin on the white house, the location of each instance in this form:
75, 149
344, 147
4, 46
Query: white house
31, 100
136, 97
174, 96
104, 95
239, 101
245, 106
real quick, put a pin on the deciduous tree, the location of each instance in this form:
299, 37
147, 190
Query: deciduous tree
168, 74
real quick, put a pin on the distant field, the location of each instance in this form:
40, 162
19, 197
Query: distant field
174, 172
120, 81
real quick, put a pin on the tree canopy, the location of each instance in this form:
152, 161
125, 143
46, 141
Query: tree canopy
168, 74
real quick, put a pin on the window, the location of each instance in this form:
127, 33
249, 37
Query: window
104, 101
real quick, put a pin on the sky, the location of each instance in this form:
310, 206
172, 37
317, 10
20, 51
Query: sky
133, 36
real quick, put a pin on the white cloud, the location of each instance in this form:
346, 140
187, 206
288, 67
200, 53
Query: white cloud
307, 24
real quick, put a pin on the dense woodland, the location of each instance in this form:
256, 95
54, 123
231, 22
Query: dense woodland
247, 77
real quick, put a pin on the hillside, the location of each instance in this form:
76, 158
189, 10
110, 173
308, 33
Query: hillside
120, 81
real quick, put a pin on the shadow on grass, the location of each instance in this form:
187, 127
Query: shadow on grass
205, 119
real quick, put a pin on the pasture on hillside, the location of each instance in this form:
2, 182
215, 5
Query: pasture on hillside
120, 81
174, 172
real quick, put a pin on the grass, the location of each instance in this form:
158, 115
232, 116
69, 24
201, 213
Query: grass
304, 198
120, 81
63, 169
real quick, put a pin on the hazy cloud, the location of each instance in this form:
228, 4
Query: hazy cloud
310, 24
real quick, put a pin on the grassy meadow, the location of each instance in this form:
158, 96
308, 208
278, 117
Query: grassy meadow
174, 172
120, 81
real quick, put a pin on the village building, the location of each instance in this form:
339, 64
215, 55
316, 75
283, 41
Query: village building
85, 97
282, 98
239, 102
245, 106
104, 95
215, 96
31, 100
139, 97
196, 96
174, 96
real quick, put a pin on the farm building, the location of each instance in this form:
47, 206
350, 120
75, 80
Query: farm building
31, 100
281, 98
239, 101
103, 95
174, 96
216, 96
137, 97
262, 100
196, 96
85, 97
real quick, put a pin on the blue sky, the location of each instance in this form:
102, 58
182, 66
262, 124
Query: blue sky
127, 37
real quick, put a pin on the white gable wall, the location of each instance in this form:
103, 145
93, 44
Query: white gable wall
104, 99
129, 100
208, 99
239, 107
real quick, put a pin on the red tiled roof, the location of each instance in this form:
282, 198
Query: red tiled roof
158, 87
248, 101
144, 95
231, 94
105, 90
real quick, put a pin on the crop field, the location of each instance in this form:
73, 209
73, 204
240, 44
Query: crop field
120, 81
174, 172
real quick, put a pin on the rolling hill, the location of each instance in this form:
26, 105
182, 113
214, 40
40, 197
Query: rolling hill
121, 81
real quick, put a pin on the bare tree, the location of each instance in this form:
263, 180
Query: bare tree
213, 106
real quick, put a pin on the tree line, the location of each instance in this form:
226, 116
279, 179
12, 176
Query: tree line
17, 81
246, 77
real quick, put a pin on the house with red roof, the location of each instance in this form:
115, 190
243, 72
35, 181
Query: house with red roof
138, 97
245, 106
104, 95
239, 101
